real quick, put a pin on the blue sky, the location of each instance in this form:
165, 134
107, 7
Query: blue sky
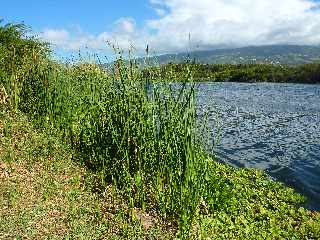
166, 24
94, 15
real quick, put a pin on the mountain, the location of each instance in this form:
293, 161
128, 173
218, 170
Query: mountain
279, 54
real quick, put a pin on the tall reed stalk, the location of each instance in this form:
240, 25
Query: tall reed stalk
138, 135
136, 132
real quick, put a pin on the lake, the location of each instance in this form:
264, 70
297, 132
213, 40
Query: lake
274, 127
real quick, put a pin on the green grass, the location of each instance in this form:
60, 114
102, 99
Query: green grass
94, 153
44, 194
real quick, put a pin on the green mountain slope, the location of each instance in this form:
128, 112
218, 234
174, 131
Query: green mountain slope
282, 54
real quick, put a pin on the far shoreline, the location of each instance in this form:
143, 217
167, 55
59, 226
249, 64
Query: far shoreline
238, 73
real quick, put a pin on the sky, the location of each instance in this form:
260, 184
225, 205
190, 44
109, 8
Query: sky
166, 26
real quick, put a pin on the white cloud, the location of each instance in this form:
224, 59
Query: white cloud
161, 12
55, 36
123, 35
73, 40
210, 23
125, 25
213, 23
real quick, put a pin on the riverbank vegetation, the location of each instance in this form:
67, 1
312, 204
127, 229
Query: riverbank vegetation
307, 73
93, 153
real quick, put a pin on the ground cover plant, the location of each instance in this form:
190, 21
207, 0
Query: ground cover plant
140, 139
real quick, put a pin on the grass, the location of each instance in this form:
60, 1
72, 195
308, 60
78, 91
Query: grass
44, 194
94, 153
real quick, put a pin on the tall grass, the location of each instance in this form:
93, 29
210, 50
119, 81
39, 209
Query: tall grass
137, 135
19, 55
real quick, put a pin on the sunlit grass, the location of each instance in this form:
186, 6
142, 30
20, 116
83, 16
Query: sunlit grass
138, 137
45, 194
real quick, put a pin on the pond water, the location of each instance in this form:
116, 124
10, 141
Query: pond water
274, 127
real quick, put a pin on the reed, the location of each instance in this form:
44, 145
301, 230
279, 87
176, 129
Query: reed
137, 135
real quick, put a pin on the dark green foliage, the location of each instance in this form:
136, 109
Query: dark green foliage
308, 73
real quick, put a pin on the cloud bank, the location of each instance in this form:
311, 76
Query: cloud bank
205, 24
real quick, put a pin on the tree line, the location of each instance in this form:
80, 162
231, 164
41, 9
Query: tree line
307, 73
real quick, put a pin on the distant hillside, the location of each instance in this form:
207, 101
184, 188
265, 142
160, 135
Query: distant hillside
283, 54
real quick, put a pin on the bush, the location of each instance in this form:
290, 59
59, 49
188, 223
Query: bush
19, 54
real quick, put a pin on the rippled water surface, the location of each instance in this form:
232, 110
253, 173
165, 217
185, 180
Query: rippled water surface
274, 127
